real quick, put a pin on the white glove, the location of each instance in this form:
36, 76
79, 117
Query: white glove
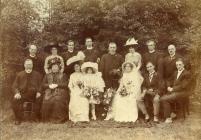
38, 94
53, 86
17, 96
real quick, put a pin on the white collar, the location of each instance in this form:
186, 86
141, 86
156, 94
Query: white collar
32, 55
71, 51
172, 56
28, 71
89, 48
180, 71
152, 51
151, 73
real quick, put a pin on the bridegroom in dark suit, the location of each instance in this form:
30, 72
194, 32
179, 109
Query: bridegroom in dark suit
152, 89
176, 88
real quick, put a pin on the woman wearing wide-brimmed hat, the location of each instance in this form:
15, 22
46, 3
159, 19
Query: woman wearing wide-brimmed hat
54, 107
79, 104
93, 84
132, 55
124, 108
53, 48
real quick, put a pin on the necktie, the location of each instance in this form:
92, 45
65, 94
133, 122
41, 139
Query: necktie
150, 76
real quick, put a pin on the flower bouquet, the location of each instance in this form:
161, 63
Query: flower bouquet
108, 96
124, 92
89, 92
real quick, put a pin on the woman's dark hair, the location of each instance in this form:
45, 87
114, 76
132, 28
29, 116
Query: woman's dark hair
129, 65
59, 66
88, 69
150, 63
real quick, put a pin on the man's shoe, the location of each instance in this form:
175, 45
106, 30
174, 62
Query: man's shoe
17, 122
156, 119
168, 120
173, 115
147, 118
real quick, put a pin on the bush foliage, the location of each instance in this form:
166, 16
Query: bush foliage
172, 21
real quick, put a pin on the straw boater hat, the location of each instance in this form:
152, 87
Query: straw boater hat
51, 45
131, 42
92, 65
128, 62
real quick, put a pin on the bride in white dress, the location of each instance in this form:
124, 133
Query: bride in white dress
125, 101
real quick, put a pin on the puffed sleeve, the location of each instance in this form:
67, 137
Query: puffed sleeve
62, 64
70, 84
46, 65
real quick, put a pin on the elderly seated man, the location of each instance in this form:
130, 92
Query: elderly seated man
26, 89
177, 88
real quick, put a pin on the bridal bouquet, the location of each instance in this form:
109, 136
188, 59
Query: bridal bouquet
124, 91
108, 96
90, 91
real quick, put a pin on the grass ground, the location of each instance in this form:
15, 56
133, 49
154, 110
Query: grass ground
188, 129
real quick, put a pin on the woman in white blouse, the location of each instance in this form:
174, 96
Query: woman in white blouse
53, 49
132, 55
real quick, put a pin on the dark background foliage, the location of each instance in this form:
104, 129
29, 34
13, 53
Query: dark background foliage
172, 21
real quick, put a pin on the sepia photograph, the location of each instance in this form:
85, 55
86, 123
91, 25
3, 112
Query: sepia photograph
100, 70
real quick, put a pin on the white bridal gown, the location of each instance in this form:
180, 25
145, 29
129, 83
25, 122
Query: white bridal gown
79, 105
125, 107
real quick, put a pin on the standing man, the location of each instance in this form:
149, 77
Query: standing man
153, 56
26, 89
169, 61
110, 66
67, 55
177, 88
91, 53
37, 61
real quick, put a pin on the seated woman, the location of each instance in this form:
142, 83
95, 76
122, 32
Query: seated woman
152, 90
125, 101
54, 107
79, 104
53, 49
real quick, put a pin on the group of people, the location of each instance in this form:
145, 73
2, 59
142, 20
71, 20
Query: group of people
87, 85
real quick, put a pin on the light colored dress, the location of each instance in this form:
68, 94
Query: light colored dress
124, 108
94, 81
136, 58
79, 105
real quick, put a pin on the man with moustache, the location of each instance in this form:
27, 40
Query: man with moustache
177, 88
169, 61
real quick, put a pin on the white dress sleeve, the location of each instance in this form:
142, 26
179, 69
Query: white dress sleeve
46, 64
62, 64
70, 84
99, 81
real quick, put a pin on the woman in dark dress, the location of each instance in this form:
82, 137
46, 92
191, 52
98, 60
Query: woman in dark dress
54, 107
